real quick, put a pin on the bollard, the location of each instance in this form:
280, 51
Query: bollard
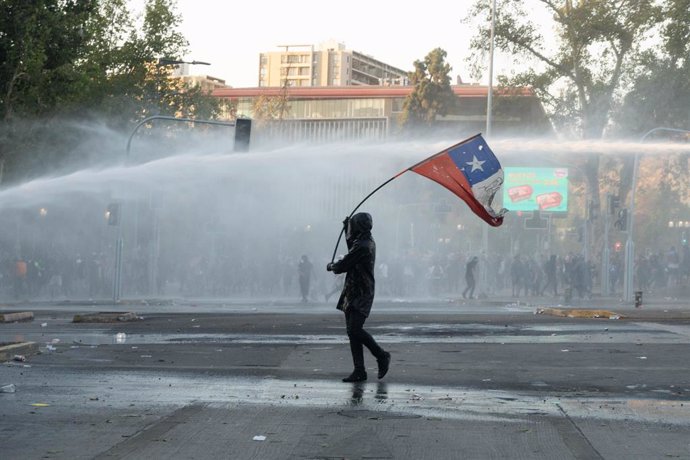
638, 299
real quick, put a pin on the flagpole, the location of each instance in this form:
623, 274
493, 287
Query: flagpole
342, 230
412, 168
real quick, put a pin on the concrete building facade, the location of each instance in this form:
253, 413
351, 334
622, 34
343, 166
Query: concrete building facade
329, 64
372, 112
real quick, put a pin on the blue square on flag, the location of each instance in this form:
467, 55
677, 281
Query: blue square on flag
475, 159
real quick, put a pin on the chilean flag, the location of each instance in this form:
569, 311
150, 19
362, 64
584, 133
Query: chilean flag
470, 170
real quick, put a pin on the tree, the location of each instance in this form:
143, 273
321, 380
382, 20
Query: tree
660, 87
432, 94
40, 42
267, 107
578, 72
63, 62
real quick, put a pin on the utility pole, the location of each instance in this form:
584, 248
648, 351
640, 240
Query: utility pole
489, 110
630, 242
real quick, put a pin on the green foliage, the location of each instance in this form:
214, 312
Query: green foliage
82, 60
579, 71
660, 85
432, 94
40, 42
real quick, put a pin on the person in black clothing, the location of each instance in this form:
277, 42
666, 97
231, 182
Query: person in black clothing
357, 296
305, 268
551, 270
469, 277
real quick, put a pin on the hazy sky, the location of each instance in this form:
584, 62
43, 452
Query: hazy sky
231, 34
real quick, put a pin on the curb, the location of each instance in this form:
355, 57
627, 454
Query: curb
578, 313
8, 351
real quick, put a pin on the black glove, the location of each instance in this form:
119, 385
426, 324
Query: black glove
329, 267
346, 222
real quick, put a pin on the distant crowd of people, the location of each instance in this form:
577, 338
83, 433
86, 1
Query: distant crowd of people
61, 276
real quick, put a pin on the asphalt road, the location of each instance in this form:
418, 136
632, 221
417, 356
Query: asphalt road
261, 380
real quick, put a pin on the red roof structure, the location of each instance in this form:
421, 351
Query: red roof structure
353, 92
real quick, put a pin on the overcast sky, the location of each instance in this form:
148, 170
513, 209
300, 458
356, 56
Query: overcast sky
231, 34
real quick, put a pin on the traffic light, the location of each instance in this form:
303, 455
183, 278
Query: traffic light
591, 211
112, 214
614, 203
617, 246
243, 131
622, 222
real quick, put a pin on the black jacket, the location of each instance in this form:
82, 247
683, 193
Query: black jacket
358, 292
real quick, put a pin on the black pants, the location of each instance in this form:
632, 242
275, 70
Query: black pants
469, 288
360, 338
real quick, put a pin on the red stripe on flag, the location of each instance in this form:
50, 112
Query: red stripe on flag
443, 170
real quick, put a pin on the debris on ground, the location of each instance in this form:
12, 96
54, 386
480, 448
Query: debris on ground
17, 316
578, 313
106, 317
8, 388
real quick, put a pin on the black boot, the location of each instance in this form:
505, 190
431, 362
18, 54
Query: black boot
384, 363
356, 376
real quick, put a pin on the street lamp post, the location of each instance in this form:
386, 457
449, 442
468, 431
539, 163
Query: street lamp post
117, 279
166, 61
628, 278
489, 114
489, 94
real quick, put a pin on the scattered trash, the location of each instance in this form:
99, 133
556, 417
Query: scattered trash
19, 358
55, 341
565, 350
49, 347
642, 357
120, 337
486, 380
8, 388
146, 356
259, 438
40, 405
44, 324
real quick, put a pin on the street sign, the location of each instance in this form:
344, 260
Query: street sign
536, 222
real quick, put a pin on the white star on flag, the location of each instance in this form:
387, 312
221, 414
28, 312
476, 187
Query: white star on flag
476, 164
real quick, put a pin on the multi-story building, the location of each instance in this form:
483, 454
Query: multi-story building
206, 82
359, 112
329, 64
